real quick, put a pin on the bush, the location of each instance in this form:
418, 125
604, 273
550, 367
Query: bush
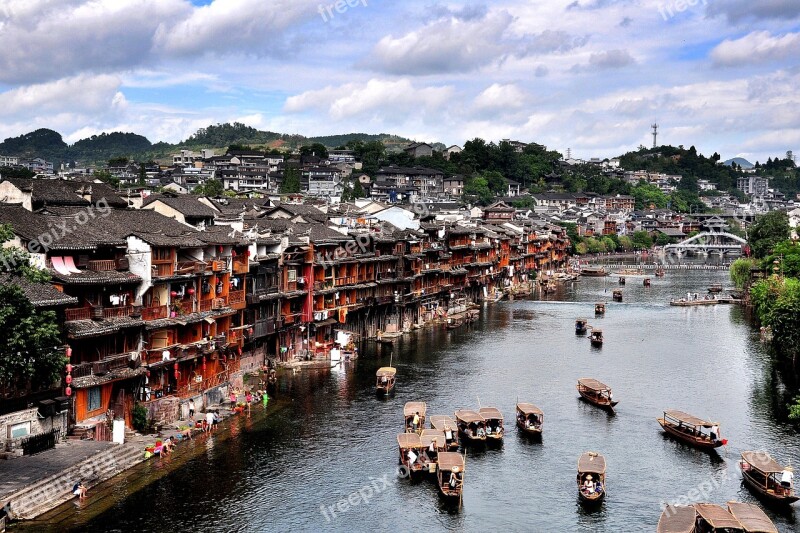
140, 422
794, 410
740, 272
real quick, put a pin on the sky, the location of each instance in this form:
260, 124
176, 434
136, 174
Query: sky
586, 75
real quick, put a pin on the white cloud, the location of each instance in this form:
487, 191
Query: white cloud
498, 96
79, 94
756, 48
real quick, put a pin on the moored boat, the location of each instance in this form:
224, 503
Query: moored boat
530, 419
449, 427
617, 295
713, 518
471, 427
433, 443
622, 280
596, 393
591, 477
455, 322
493, 419
385, 380
580, 326
599, 308
715, 288
690, 429
414, 414
596, 337
762, 474
594, 272
677, 519
410, 448
752, 518
450, 475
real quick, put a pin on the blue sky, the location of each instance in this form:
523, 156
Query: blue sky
590, 75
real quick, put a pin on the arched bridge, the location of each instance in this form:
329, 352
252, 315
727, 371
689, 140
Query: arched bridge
711, 242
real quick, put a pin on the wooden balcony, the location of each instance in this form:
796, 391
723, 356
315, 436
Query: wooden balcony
205, 305
104, 265
236, 300
155, 313
241, 267
218, 266
81, 313
117, 312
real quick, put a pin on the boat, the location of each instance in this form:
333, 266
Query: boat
384, 337
410, 449
715, 288
447, 425
580, 326
617, 295
410, 410
433, 443
591, 478
660, 272
596, 337
599, 308
472, 315
646, 282
677, 519
689, 429
761, 473
471, 427
713, 518
450, 475
631, 272
622, 280
692, 303
594, 272
596, 393
530, 419
455, 321
494, 424
385, 380
752, 518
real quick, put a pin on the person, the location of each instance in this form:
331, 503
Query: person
210, 420
453, 478
786, 477
588, 485
79, 490
598, 487
714, 432
527, 423
248, 400
412, 457
233, 398
264, 398
415, 421
215, 420
481, 431
191, 408
448, 435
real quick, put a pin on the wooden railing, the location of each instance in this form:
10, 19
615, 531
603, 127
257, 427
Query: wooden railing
82, 313
218, 266
102, 265
117, 312
155, 313
205, 305
241, 267
236, 300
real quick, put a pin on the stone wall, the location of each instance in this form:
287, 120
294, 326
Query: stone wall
38, 425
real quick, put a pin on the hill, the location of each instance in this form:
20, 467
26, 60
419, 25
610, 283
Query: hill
742, 162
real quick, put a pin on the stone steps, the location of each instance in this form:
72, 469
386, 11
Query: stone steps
52, 491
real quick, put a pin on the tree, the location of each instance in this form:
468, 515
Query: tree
14, 172
662, 239
212, 188
626, 243
291, 181
316, 149
767, 231
477, 191
609, 244
358, 189
642, 240
30, 357
740, 272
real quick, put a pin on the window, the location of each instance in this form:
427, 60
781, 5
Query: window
292, 275
94, 399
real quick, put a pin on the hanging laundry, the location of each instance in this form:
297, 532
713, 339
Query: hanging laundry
114, 300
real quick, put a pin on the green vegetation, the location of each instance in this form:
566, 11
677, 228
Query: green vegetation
291, 181
11, 172
212, 188
767, 231
740, 271
140, 422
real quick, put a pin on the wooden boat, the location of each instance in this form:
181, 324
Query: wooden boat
494, 423
594, 272
530, 419
752, 518
715, 288
591, 478
580, 326
692, 303
596, 337
596, 393
455, 322
471, 427
622, 280
410, 410
449, 427
410, 448
617, 295
677, 519
689, 429
388, 337
385, 380
450, 475
599, 308
646, 282
631, 272
472, 315
433, 443
713, 518
761, 473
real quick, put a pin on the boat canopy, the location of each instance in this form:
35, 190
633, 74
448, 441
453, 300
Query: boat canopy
752, 518
716, 516
388, 371
528, 409
677, 519
414, 407
762, 462
593, 384
582, 320
596, 332
432, 435
468, 417
490, 413
451, 461
409, 440
592, 463
688, 419
442, 422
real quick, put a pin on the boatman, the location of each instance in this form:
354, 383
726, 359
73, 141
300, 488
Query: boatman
415, 421
786, 477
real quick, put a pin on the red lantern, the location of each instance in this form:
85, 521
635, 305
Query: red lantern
233, 253
173, 294
250, 331
190, 291
69, 368
68, 391
247, 252
204, 364
69, 352
221, 248
175, 366
69, 379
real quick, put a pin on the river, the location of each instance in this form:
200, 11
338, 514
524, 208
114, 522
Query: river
329, 436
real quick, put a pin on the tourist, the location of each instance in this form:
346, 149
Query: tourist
233, 398
191, 408
588, 485
714, 432
415, 421
264, 398
248, 398
448, 435
787, 476
210, 420
215, 420
453, 480
79, 490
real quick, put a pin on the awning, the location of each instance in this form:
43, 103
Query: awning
326, 322
209, 320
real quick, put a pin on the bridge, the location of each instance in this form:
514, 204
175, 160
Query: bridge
709, 242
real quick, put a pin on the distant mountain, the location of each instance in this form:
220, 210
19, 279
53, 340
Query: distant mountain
742, 162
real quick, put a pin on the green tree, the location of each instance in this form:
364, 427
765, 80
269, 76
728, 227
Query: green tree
647, 195
740, 271
663, 239
609, 244
477, 191
14, 172
316, 149
767, 231
626, 243
212, 188
291, 181
642, 240
358, 189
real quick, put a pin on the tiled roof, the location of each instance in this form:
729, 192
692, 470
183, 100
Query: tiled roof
84, 329
187, 205
67, 192
39, 294
89, 277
